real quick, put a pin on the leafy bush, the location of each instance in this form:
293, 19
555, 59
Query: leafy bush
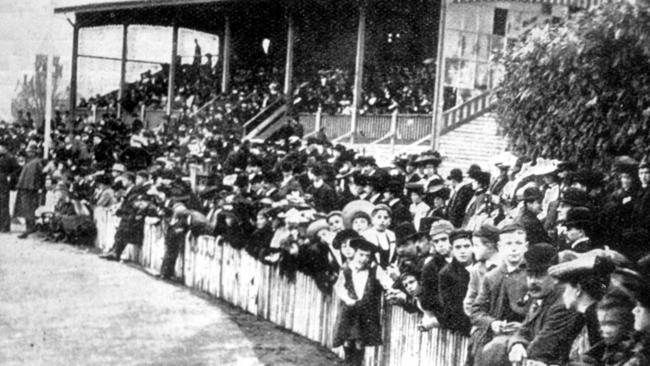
580, 90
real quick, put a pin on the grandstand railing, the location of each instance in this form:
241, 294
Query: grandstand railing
370, 128
211, 265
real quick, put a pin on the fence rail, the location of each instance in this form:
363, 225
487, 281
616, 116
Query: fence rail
409, 127
213, 266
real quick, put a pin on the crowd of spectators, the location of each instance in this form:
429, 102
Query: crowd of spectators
409, 90
543, 261
406, 89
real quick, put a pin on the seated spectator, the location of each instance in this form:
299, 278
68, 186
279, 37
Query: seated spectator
547, 333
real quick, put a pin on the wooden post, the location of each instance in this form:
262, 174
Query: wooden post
172, 69
143, 114
122, 89
319, 116
288, 70
225, 77
358, 69
49, 91
438, 99
393, 130
73, 70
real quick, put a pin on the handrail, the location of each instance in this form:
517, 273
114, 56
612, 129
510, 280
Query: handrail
262, 126
465, 112
263, 111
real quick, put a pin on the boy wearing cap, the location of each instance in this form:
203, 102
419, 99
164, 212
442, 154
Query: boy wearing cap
438, 258
359, 287
381, 236
453, 279
498, 308
484, 247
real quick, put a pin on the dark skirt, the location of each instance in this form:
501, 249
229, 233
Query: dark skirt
5, 217
27, 201
360, 322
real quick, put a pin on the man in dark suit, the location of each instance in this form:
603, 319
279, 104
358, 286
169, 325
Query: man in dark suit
579, 221
549, 329
453, 280
460, 197
393, 197
30, 182
131, 227
8, 169
323, 196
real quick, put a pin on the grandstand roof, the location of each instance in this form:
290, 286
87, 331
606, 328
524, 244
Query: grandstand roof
202, 15
80, 6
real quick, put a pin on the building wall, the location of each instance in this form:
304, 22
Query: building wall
475, 33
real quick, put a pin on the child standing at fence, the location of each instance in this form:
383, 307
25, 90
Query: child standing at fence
359, 287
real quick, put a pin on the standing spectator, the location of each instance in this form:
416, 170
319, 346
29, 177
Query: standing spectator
499, 308
461, 194
579, 223
437, 259
323, 196
8, 169
453, 280
30, 182
131, 227
381, 236
360, 287
527, 217
484, 247
418, 207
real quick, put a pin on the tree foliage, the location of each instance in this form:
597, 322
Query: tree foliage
580, 90
31, 90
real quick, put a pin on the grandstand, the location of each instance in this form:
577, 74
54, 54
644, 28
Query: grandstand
368, 72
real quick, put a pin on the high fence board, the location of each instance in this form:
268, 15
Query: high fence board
296, 303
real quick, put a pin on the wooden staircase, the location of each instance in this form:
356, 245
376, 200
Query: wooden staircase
475, 142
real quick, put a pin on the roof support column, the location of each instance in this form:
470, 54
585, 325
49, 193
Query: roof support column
172, 70
288, 70
358, 69
121, 91
73, 70
438, 91
225, 77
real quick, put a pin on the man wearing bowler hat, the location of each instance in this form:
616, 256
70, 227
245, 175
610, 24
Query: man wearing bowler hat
549, 329
579, 224
461, 194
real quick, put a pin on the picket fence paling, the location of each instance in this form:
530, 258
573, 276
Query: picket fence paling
297, 304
